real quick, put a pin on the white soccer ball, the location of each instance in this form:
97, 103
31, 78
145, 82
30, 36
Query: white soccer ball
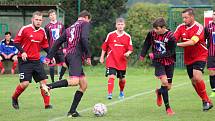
99, 109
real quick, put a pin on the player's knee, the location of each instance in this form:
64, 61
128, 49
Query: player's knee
165, 83
24, 84
73, 81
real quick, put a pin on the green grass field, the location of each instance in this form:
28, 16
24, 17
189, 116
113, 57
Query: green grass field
139, 104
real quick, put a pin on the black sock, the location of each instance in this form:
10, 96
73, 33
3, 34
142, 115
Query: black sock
62, 72
76, 100
212, 83
165, 96
58, 84
51, 71
160, 91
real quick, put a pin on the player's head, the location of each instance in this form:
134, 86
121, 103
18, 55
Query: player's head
120, 24
52, 15
159, 25
214, 15
7, 36
37, 19
188, 16
84, 15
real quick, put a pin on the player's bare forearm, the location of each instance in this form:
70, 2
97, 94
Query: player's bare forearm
102, 56
185, 44
127, 53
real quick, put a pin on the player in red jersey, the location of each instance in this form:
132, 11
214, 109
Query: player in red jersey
54, 30
210, 38
191, 34
163, 57
118, 46
29, 40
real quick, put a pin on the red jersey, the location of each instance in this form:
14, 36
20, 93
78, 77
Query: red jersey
116, 46
31, 41
197, 52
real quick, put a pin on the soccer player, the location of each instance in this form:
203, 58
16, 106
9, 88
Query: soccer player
29, 40
118, 46
76, 37
210, 38
163, 55
191, 34
8, 52
54, 30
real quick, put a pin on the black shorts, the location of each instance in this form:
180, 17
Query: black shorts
112, 71
198, 65
74, 63
59, 57
11, 58
211, 63
167, 70
29, 69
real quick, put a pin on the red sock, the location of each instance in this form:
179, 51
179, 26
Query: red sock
1, 65
202, 90
110, 85
17, 92
122, 84
46, 99
197, 91
14, 65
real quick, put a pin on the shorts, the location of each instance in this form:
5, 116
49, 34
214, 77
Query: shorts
112, 71
59, 57
11, 58
74, 64
198, 65
211, 63
31, 68
167, 70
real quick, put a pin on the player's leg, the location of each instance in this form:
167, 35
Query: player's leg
15, 62
122, 81
111, 73
60, 60
51, 72
211, 69
169, 73
1, 64
62, 71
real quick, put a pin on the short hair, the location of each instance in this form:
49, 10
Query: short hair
84, 13
51, 11
159, 22
38, 13
190, 11
214, 10
120, 20
6, 33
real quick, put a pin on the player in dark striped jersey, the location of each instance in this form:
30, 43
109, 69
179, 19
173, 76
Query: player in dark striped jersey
210, 37
54, 30
76, 37
163, 57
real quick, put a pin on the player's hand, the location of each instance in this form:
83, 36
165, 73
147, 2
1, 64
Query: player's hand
24, 56
64, 51
88, 61
141, 58
101, 60
151, 56
127, 53
47, 61
53, 61
10, 55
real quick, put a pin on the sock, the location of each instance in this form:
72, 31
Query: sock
58, 84
160, 91
122, 85
46, 99
197, 91
14, 65
1, 65
164, 92
76, 100
51, 71
202, 90
62, 72
17, 92
212, 82
110, 85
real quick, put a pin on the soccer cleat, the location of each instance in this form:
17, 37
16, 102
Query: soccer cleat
212, 94
45, 88
48, 107
159, 98
170, 112
121, 95
207, 106
15, 103
74, 114
2, 71
12, 71
109, 96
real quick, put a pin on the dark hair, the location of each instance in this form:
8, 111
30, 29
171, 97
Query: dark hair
159, 22
84, 13
51, 11
190, 11
6, 33
38, 13
214, 10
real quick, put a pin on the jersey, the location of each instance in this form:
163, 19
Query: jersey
8, 48
116, 46
197, 52
163, 47
31, 41
54, 31
210, 37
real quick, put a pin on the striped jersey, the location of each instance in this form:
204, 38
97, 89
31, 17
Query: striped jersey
210, 37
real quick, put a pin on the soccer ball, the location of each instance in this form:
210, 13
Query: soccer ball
99, 109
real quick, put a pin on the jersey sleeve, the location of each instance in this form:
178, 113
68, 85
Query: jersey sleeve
177, 34
85, 39
105, 43
44, 43
19, 36
146, 45
130, 47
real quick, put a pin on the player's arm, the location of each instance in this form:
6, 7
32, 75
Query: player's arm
146, 45
84, 39
102, 56
207, 36
130, 48
189, 42
47, 33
